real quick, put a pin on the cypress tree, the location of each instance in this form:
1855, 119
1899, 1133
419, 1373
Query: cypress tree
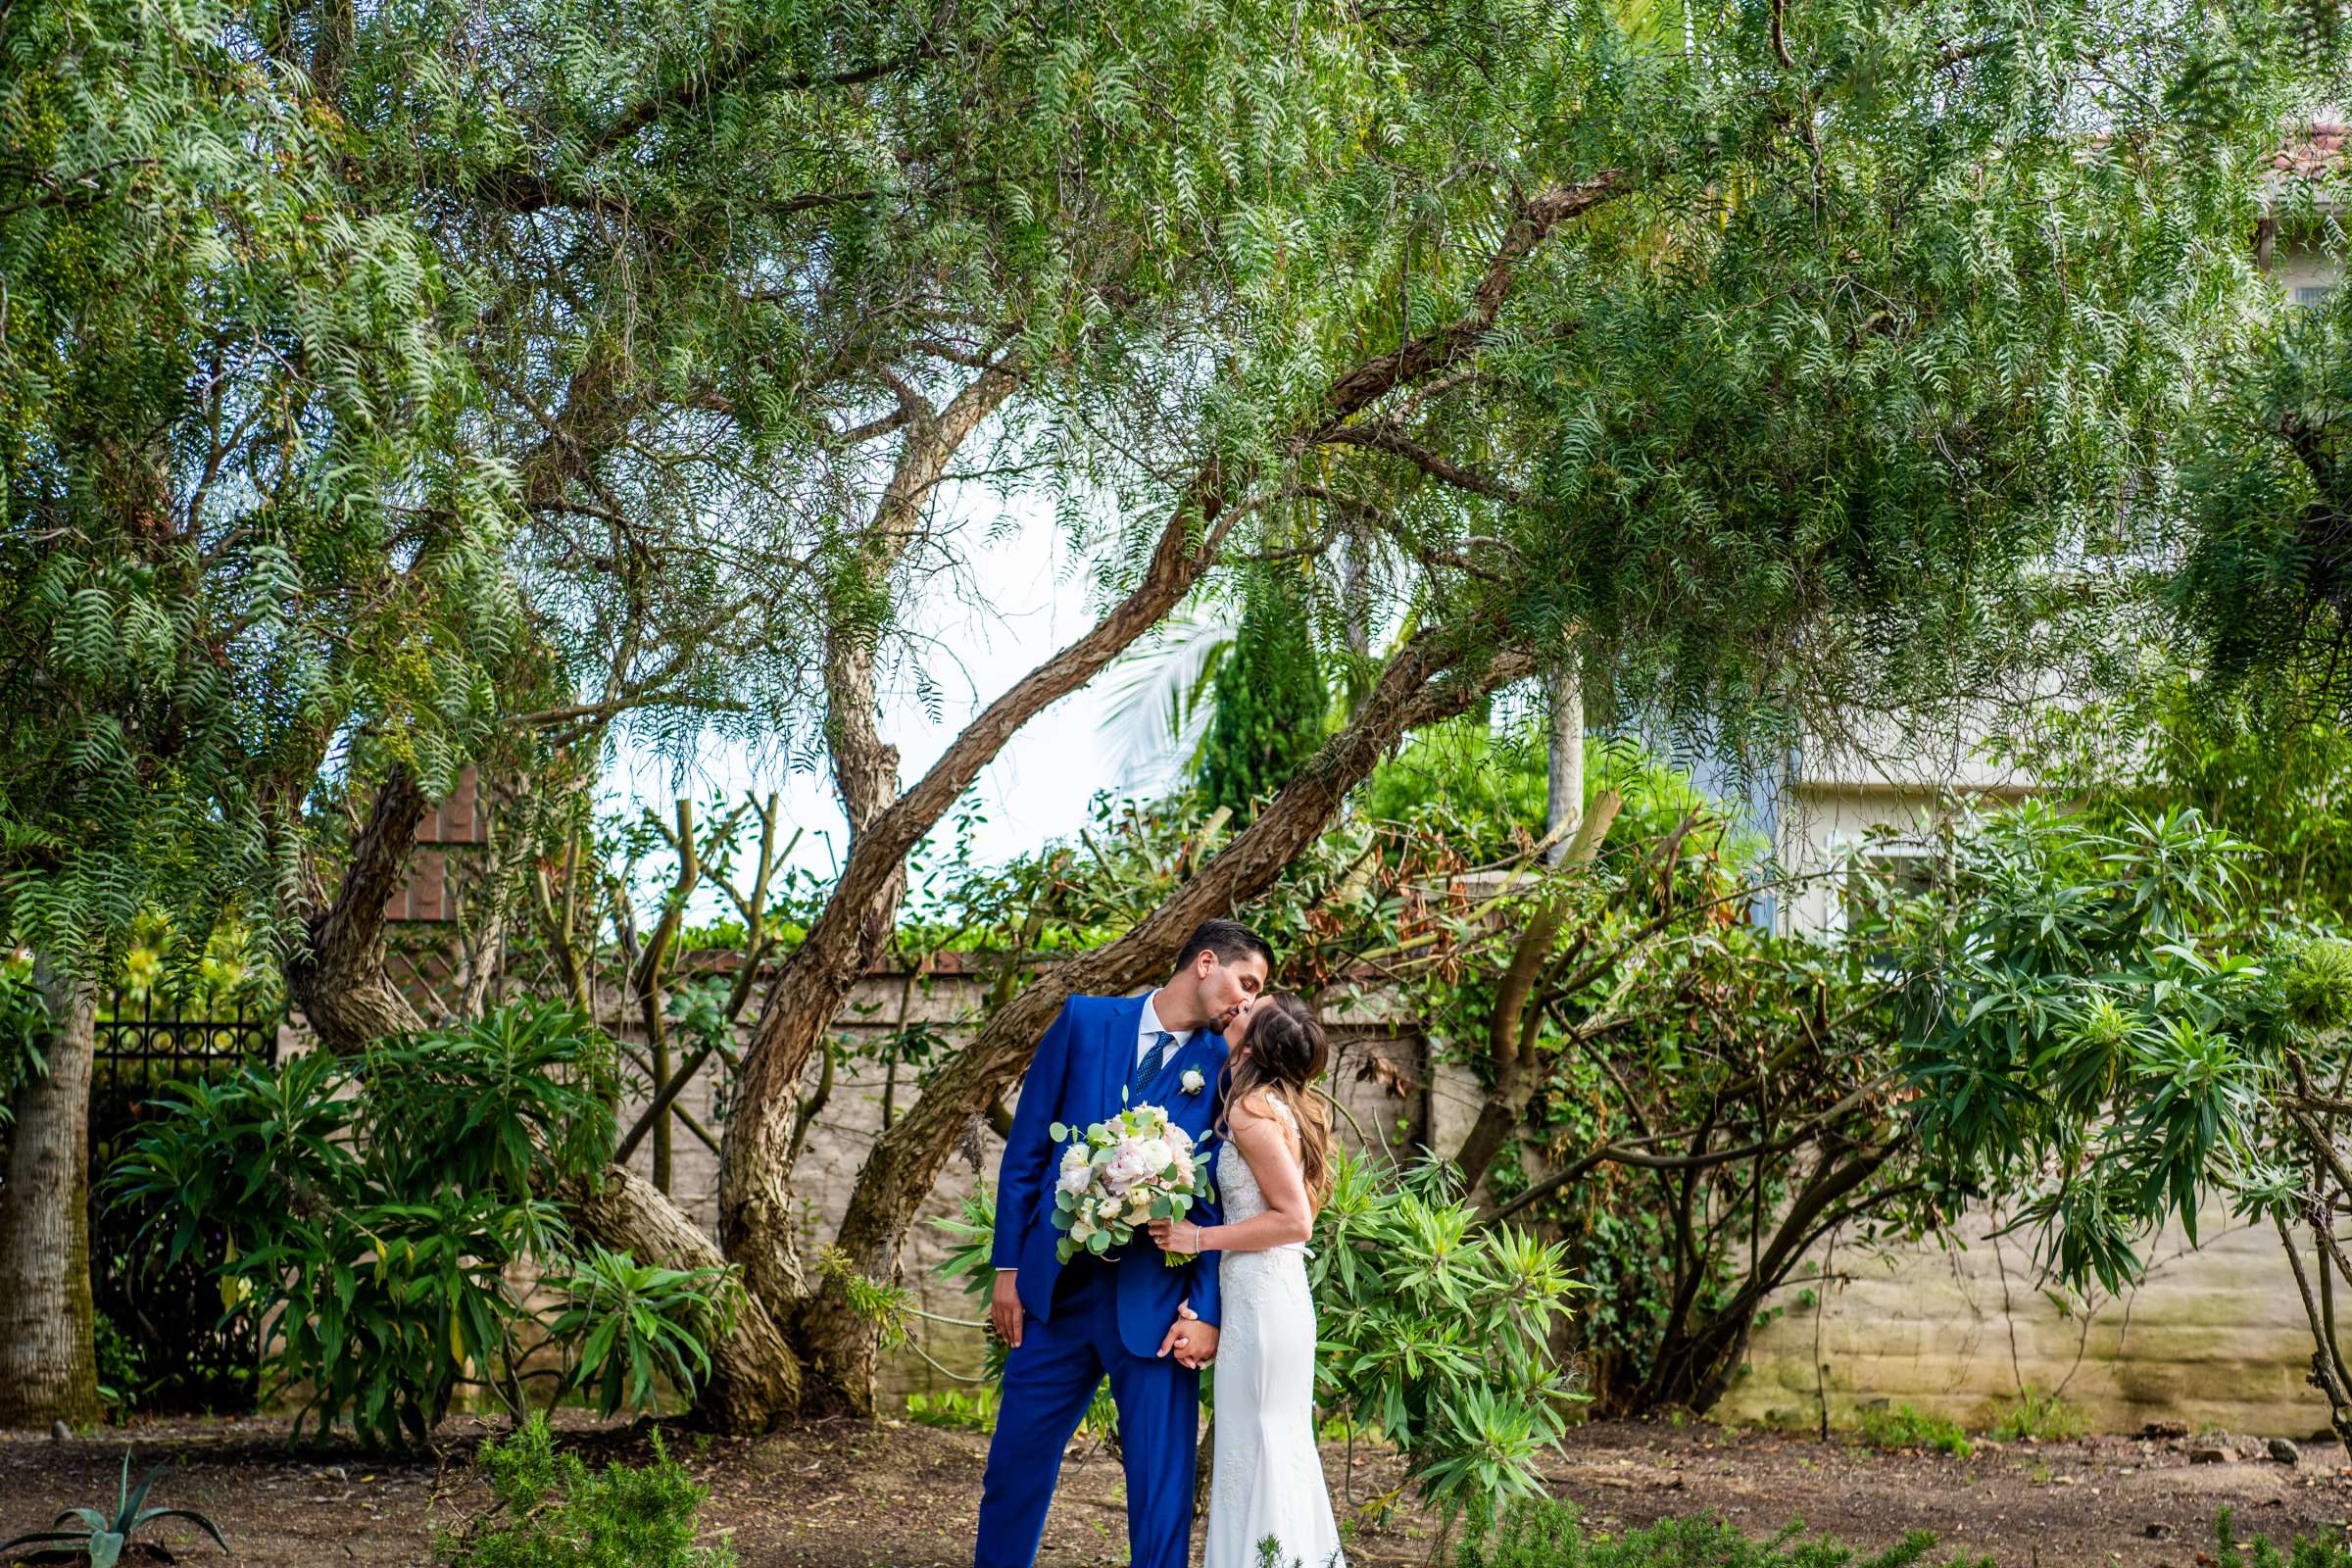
1270, 702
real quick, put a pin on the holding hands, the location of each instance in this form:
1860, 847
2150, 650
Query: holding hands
1194, 1341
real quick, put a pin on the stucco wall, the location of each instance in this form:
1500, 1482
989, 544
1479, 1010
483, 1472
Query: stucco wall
2215, 1337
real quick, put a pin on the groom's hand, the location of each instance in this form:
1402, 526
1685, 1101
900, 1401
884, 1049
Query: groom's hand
1194, 1341
1004, 1311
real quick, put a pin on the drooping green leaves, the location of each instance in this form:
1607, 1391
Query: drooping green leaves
375, 1207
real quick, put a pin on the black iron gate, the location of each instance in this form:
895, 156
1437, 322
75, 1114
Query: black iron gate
165, 1343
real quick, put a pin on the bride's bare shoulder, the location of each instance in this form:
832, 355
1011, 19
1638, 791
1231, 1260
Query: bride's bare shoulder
1254, 1106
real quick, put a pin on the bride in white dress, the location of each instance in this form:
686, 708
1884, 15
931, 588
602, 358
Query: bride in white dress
1274, 1170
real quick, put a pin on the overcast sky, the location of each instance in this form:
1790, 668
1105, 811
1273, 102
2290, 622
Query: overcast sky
1022, 599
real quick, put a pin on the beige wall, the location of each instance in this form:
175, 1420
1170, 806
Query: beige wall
2213, 1338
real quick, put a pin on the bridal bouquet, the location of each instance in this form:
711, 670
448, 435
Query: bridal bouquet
1122, 1174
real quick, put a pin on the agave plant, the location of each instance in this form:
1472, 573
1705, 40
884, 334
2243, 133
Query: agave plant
105, 1537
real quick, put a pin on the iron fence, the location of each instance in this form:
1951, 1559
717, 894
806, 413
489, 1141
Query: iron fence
165, 1343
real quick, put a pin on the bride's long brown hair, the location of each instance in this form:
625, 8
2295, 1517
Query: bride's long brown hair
1287, 1052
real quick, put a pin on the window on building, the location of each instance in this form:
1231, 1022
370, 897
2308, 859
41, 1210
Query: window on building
1881, 874
2313, 293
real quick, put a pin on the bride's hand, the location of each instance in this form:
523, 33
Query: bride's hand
1176, 1235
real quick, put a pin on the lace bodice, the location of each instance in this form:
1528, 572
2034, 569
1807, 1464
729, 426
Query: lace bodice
1237, 1184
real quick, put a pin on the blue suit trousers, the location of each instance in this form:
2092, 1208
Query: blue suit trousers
1048, 1382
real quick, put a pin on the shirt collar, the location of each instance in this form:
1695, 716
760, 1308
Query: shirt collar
1150, 1024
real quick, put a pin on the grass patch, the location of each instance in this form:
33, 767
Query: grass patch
1545, 1533
2041, 1415
1903, 1427
955, 1410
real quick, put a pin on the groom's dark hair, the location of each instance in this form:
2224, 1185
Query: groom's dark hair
1229, 940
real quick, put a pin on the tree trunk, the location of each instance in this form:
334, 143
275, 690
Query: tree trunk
1418, 687
48, 1345
1514, 1054
1694, 1372
338, 979
1565, 805
755, 1209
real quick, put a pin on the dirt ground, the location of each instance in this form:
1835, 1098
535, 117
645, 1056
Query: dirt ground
843, 1494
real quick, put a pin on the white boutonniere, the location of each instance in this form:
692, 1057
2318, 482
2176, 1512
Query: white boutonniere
1191, 1082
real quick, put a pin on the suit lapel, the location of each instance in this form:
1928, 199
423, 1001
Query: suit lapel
1120, 1020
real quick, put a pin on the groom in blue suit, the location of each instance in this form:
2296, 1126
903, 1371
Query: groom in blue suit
1128, 1315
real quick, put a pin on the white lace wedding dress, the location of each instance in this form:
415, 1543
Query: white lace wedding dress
1267, 1479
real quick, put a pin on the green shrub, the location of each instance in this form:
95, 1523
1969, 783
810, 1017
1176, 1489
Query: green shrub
2040, 1415
548, 1510
2306, 1553
1903, 1427
1545, 1533
373, 1206
955, 1410
1437, 1330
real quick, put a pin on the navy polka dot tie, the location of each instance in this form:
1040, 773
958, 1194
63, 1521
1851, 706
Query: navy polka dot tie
1149, 1069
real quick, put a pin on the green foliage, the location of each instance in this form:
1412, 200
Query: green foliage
956, 1409
2089, 1028
2040, 1415
103, 1533
237, 517
1270, 705
550, 1510
122, 1381
1485, 791
24, 1027
1545, 1533
2257, 765
1903, 1427
2319, 1551
634, 1322
1436, 1332
2259, 597
374, 1209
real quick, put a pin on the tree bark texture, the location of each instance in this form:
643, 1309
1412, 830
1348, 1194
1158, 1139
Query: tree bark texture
1565, 800
338, 980
48, 1347
756, 1208
1515, 1063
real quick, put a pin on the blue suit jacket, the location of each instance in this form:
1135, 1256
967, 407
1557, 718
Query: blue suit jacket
1082, 1073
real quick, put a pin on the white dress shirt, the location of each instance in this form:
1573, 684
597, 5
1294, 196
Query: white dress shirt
1148, 1028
